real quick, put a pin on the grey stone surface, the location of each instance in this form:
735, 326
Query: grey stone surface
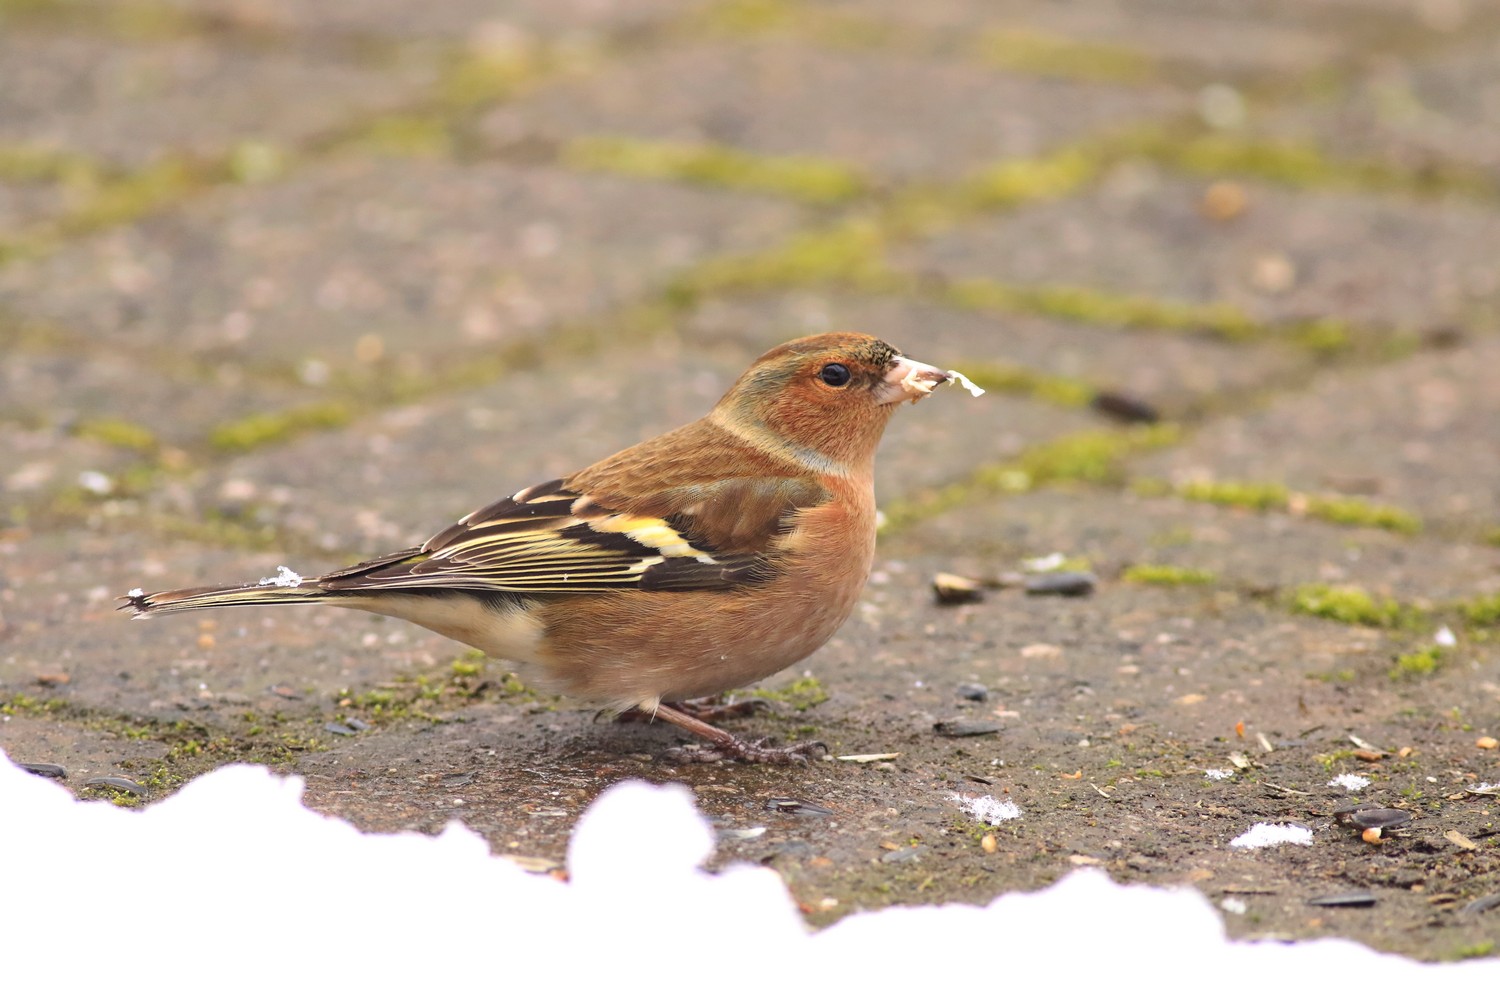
482, 21
62, 387
1291, 255
348, 490
1244, 551
1415, 113
364, 279
1214, 38
24, 203
132, 104
1176, 373
1420, 433
430, 259
892, 116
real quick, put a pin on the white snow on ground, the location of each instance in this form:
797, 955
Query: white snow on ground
231, 888
1349, 782
1271, 835
987, 808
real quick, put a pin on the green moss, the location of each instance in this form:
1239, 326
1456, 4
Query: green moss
1417, 663
1329, 507
801, 694
256, 161
1102, 308
1168, 576
117, 433
1095, 456
27, 164
1303, 165
1482, 611
851, 253
476, 80
1350, 605
1491, 536
803, 178
25, 704
1252, 496
261, 429
1015, 182
1479, 949
742, 18
417, 135
1053, 55
1019, 381
1353, 510
470, 664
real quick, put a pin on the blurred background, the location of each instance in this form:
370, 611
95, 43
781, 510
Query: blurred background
227, 224
297, 282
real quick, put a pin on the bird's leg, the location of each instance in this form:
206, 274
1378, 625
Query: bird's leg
710, 710
727, 745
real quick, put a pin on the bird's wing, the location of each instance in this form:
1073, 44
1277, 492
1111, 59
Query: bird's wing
553, 539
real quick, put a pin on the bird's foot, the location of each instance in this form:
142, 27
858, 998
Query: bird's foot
710, 710
756, 752
727, 746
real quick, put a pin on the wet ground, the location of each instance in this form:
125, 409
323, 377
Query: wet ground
284, 284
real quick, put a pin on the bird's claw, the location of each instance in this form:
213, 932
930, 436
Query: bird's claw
757, 752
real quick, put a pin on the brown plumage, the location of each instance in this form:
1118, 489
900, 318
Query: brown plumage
698, 561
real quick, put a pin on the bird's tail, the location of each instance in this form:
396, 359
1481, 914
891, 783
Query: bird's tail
287, 588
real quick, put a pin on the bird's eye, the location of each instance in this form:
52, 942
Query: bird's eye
834, 375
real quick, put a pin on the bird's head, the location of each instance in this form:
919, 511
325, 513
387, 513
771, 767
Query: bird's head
827, 398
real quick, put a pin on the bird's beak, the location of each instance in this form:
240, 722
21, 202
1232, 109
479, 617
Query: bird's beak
909, 380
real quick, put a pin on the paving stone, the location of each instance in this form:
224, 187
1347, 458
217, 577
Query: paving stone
1415, 114
85, 751
481, 20
1338, 24
36, 461
60, 389
25, 204
350, 490
890, 114
1218, 37
59, 598
131, 104
1243, 550
1419, 434
1291, 255
1175, 373
392, 260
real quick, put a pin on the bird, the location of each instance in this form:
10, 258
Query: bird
680, 568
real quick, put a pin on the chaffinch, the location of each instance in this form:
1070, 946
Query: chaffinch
698, 561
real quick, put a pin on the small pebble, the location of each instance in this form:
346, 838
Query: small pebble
1359, 897
1487, 743
1483, 903
796, 807
340, 729
973, 692
1062, 584
1126, 409
950, 588
965, 727
116, 783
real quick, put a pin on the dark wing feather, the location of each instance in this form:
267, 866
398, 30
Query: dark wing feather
551, 539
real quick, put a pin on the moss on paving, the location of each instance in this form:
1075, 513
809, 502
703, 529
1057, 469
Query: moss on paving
1092, 456
1168, 576
812, 179
1350, 605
